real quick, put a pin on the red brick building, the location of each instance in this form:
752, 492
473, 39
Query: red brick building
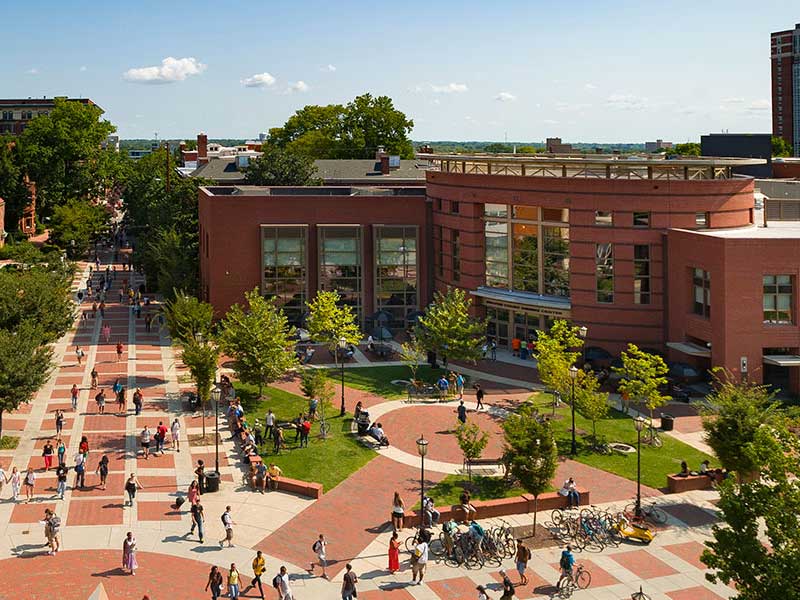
15, 114
785, 61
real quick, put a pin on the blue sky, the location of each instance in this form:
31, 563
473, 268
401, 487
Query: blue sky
582, 70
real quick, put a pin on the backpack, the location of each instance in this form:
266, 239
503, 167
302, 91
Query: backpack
564, 562
315, 546
55, 523
276, 582
224, 522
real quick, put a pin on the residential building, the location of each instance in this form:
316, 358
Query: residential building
785, 59
555, 146
657, 145
15, 114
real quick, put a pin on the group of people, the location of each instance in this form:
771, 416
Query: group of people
159, 437
523, 348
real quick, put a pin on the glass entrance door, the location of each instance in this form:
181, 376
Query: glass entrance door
497, 325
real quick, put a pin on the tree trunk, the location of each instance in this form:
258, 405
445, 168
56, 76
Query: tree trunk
594, 432
535, 512
203, 409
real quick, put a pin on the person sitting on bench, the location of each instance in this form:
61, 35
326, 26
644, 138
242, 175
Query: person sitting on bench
376, 433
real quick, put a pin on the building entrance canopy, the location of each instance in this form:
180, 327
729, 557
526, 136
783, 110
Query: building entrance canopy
548, 306
782, 360
690, 349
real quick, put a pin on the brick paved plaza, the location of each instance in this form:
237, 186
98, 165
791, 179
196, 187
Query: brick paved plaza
353, 515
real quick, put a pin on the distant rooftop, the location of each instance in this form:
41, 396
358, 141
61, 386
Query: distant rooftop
775, 230
257, 190
605, 166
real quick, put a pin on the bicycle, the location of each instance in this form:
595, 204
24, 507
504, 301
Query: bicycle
579, 580
640, 595
650, 512
652, 438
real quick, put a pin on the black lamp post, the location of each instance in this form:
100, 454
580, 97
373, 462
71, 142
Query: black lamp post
216, 392
639, 423
573, 374
422, 449
582, 331
342, 346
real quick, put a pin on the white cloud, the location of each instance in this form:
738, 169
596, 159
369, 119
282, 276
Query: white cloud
758, 106
328, 69
449, 88
171, 70
297, 86
33, 71
626, 102
258, 80
589, 86
732, 100
83, 68
505, 97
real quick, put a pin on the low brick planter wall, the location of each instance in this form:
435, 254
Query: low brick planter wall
516, 505
308, 489
676, 484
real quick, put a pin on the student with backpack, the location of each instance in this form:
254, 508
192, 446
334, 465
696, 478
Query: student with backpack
227, 522
522, 558
566, 563
319, 548
281, 583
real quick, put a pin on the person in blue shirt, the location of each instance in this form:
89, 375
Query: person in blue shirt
442, 384
460, 386
566, 563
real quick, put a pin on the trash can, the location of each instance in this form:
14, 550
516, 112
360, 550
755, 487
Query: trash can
212, 482
667, 422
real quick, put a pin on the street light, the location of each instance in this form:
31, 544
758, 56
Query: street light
573, 375
216, 392
342, 346
639, 423
582, 331
422, 450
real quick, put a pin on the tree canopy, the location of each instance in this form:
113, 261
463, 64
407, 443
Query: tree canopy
448, 329
259, 339
556, 351
354, 130
780, 147
38, 296
187, 318
76, 224
329, 321
277, 166
643, 376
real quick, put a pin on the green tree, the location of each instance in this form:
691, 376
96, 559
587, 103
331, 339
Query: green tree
311, 119
201, 356
737, 412
62, 152
314, 383
530, 452
330, 321
277, 166
687, 149
780, 147
259, 339
77, 221
412, 354
38, 296
472, 440
497, 148
448, 330
12, 189
643, 376
187, 319
25, 365
590, 401
556, 351
169, 264
766, 507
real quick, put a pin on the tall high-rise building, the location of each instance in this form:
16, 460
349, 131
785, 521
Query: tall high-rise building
785, 55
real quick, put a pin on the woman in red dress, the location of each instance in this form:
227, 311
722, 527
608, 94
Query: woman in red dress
394, 554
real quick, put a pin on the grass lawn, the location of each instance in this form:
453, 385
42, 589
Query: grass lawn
8, 442
328, 461
657, 463
447, 491
378, 380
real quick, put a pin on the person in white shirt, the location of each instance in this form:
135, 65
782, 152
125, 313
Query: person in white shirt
269, 422
320, 547
176, 435
419, 560
283, 588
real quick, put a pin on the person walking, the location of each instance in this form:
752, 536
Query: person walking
320, 549
80, 471
193, 495
119, 351
161, 436
176, 435
269, 423
394, 554
479, 394
460, 385
83, 447
214, 582
228, 523
100, 398
59, 421
461, 411
398, 512
129, 554
3, 478
121, 402
137, 401
233, 582
284, 589
131, 486
102, 470
508, 586
259, 566
74, 394
61, 452
349, 582
102, 305
200, 471
419, 561
52, 530
47, 455
145, 440
29, 483
521, 559
16, 481
79, 354
61, 478
107, 333
198, 519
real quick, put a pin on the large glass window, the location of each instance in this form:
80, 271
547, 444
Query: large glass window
284, 268
641, 274
340, 263
701, 284
778, 298
396, 272
604, 272
528, 251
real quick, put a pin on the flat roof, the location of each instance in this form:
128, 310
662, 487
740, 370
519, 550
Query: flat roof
311, 190
778, 230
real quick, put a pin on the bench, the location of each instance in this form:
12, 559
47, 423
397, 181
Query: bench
501, 507
309, 489
425, 392
677, 484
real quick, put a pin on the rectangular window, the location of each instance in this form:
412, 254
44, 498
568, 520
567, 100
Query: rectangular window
396, 272
641, 219
556, 261
604, 273
525, 257
603, 218
641, 274
701, 219
340, 263
439, 204
284, 268
456, 255
701, 284
778, 299
455, 207
526, 213
496, 237
439, 258
499, 211
555, 215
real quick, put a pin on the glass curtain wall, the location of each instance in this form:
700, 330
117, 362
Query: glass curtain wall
340, 263
284, 268
396, 272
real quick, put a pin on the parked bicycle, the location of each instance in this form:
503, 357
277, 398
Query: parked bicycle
650, 512
579, 580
